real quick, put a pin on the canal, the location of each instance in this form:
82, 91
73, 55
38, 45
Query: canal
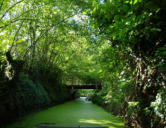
74, 113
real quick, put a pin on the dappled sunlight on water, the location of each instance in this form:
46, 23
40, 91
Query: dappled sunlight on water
110, 124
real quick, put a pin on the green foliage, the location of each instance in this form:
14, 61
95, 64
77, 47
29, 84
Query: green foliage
133, 107
30, 94
85, 92
117, 43
161, 56
111, 104
134, 56
159, 104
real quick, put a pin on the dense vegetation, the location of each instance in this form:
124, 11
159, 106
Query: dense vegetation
117, 43
134, 59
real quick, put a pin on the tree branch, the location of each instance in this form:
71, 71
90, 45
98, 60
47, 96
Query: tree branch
16, 35
15, 21
1, 4
10, 8
46, 31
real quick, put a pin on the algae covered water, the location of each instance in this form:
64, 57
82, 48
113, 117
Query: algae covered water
74, 113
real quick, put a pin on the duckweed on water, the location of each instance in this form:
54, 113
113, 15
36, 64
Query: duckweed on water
73, 113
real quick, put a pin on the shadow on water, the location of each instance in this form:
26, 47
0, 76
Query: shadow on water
74, 113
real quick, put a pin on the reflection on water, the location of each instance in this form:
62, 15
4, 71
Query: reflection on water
83, 100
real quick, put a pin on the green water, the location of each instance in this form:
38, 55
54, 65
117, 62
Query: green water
73, 113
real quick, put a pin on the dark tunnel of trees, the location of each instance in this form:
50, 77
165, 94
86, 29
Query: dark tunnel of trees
120, 44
